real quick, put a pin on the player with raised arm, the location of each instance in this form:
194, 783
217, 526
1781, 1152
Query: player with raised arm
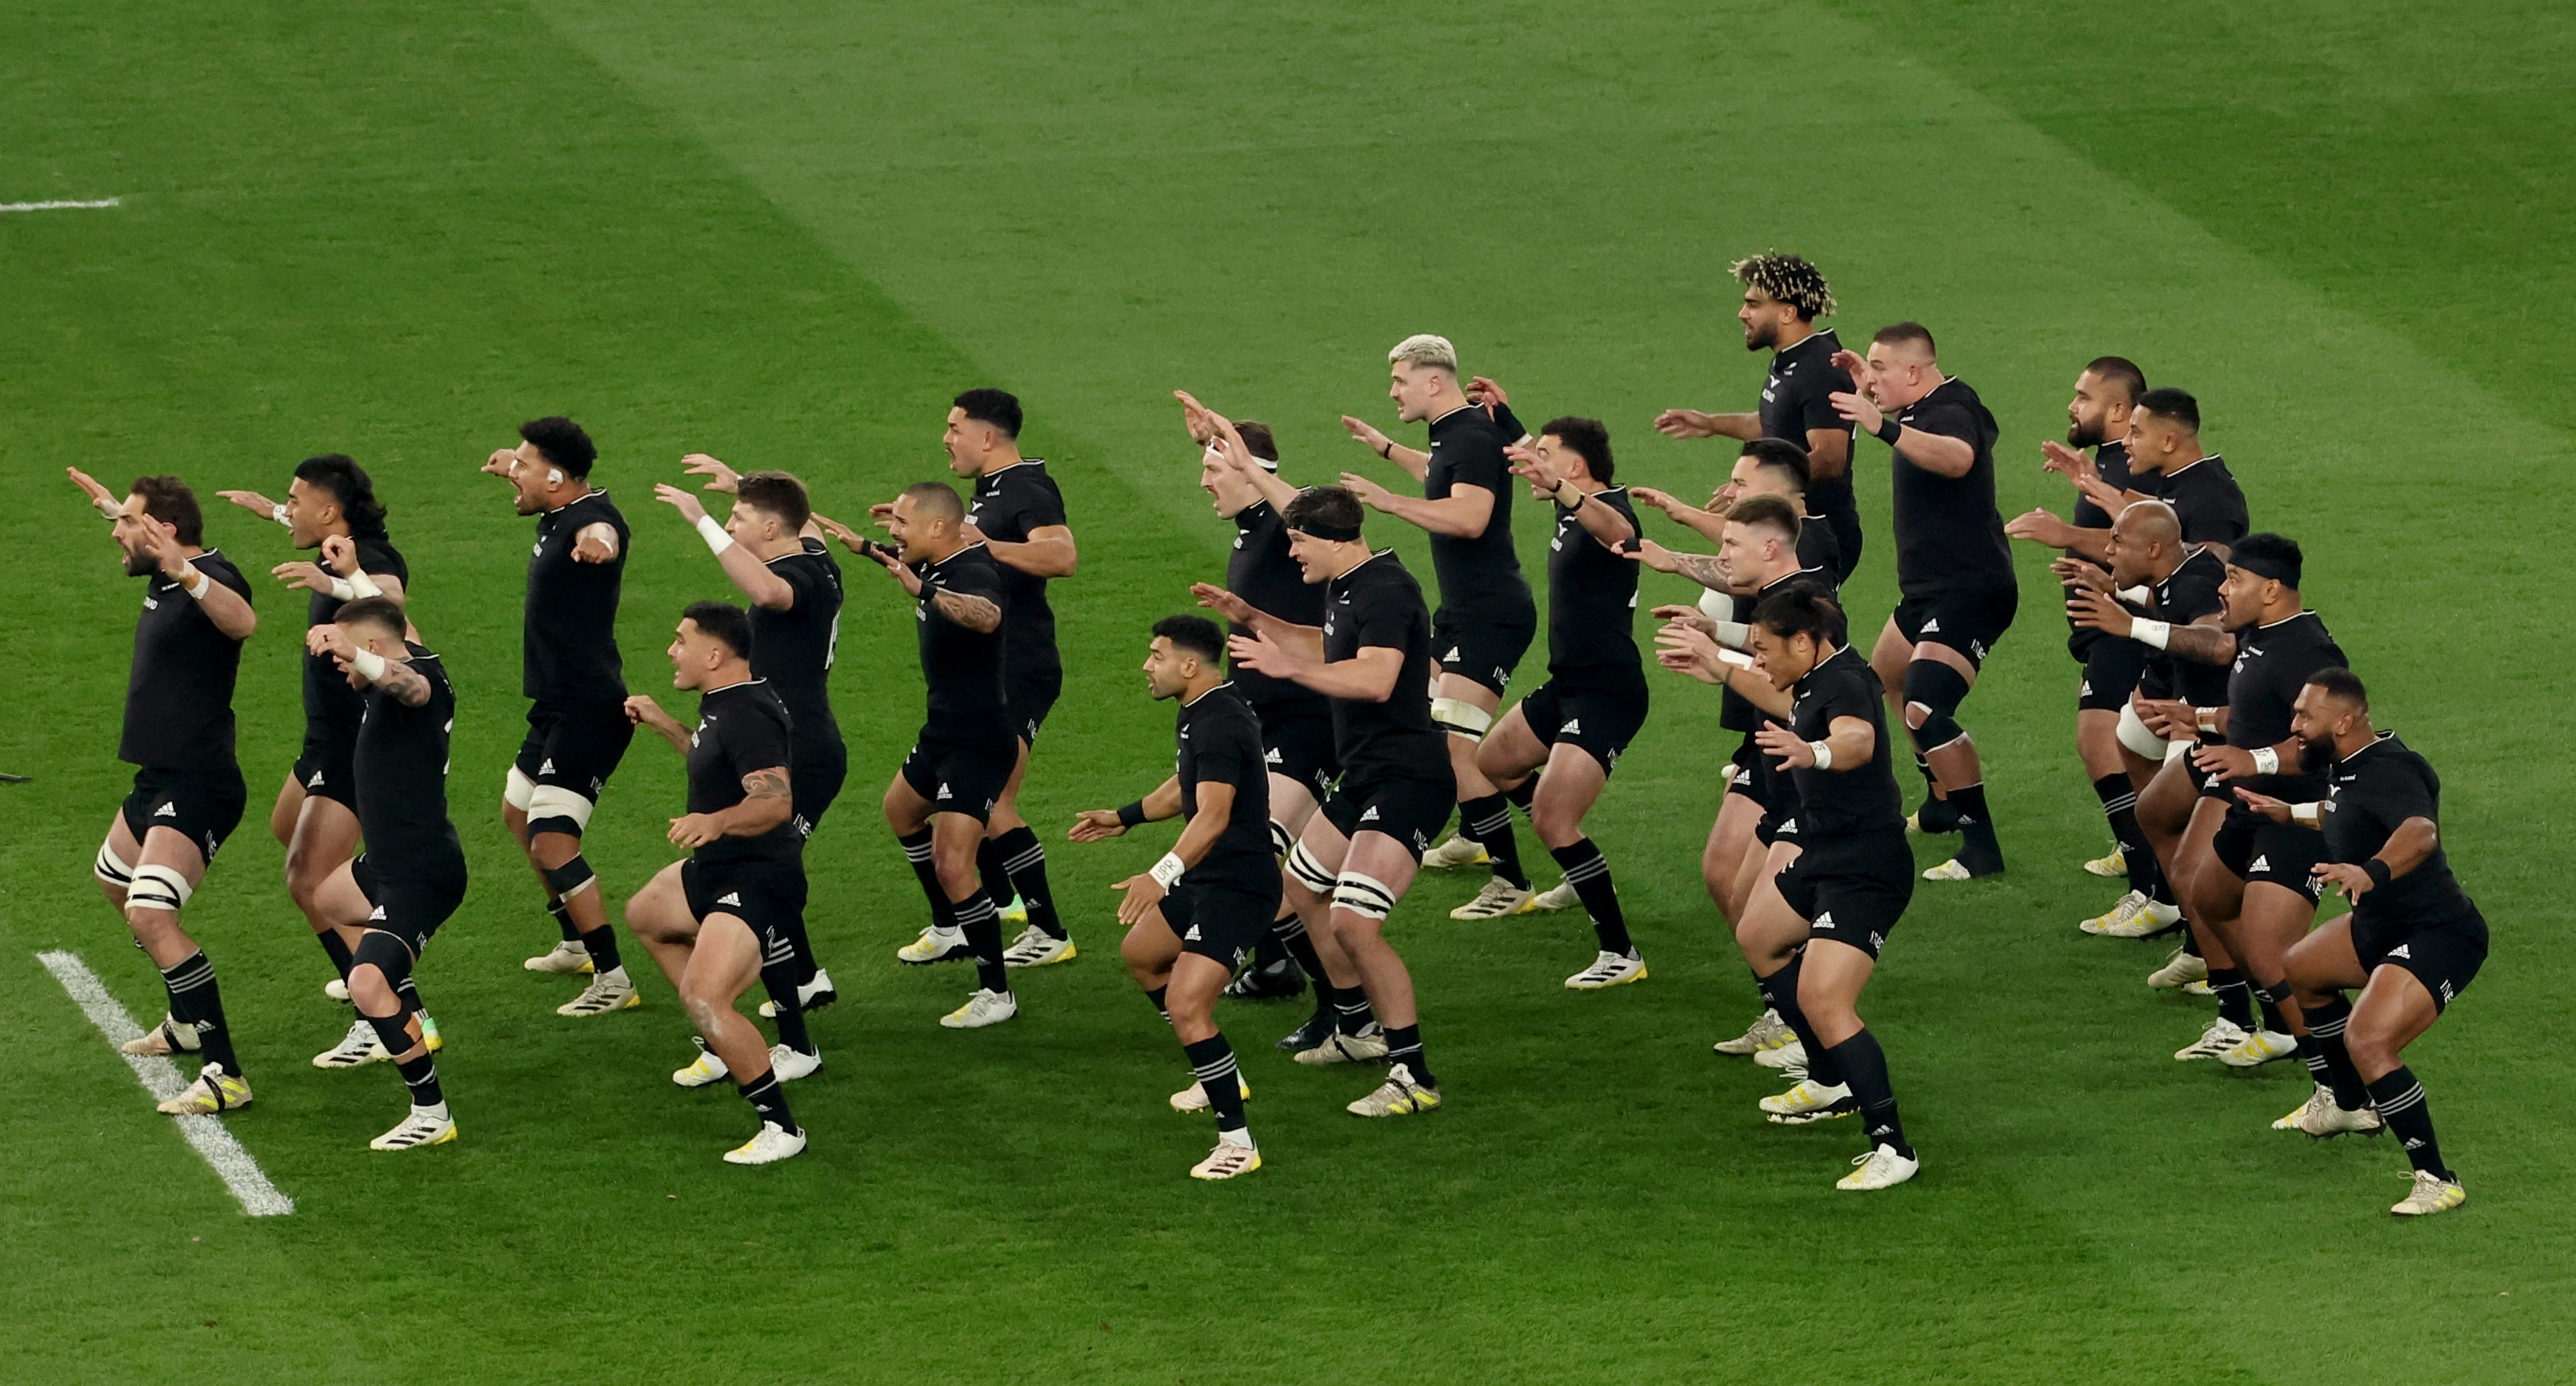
1487, 617
188, 792
938, 804
1783, 297
1372, 657
576, 687
1954, 573
1768, 467
770, 548
412, 876
1193, 918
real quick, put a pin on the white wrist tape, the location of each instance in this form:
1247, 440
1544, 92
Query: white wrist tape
717, 540
369, 664
363, 585
343, 590
1167, 870
197, 583
1737, 658
1824, 754
114, 509
2205, 718
1734, 635
277, 512
2304, 813
2266, 761
2151, 634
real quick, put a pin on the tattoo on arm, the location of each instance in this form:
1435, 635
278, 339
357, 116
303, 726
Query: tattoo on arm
1702, 568
977, 614
766, 784
406, 685
2201, 644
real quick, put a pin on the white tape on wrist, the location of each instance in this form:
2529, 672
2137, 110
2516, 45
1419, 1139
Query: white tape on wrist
364, 585
2304, 813
110, 507
1734, 635
2266, 761
277, 512
2151, 634
1824, 754
197, 584
343, 590
1167, 870
1737, 658
370, 665
717, 540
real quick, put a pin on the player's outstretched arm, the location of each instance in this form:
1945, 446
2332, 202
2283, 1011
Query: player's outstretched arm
1100, 825
978, 614
1696, 423
1234, 454
1849, 742
2405, 850
748, 573
106, 502
228, 609
257, 504
363, 667
648, 714
1367, 677
1306, 642
1146, 889
1416, 463
1937, 453
1462, 514
1702, 568
1707, 524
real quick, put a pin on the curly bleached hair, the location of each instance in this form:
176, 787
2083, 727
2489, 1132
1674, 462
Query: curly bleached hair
1788, 278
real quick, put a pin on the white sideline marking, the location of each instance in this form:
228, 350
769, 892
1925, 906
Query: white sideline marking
159, 1077
58, 206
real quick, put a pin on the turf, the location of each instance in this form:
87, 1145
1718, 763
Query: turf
786, 234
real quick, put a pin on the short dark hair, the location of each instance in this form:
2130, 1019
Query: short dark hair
1780, 455
2275, 556
1899, 333
562, 442
348, 484
724, 621
1197, 634
2120, 371
384, 613
1258, 439
1331, 506
1589, 439
2342, 685
168, 499
1000, 408
937, 497
777, 493
1775, 511
2170, 403
1788, 278
1799, 609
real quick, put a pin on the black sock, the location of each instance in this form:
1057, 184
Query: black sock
2400, 1100
1781, 990
1923, 767
1489, 821
802, 962
1864, 1066
2235, 999
2333, 1063
602, 944
1351, 1014
2270, 999
1160, 996
195, 1000
1404, 1046
1290, 931
1024, 859
563, 921
916, 849
1590, 877
420, 1075
769, 1098
338, 948
1523, 793
408, 991
2190, 940
988, 867
1269, 952
2120, 805
1979, 830
779, 977
1212, 1059
982, 922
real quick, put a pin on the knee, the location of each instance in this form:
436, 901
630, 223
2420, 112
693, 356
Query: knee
705, 1010
1933, 692
1558, 825
958, 877
1139, 956
369, 991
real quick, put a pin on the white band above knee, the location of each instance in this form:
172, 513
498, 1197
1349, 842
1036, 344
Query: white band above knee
1365, 896
1282, 841
555, 801
1309, 872
2177, 750
111, 868
158, 887
518, 789
1458, 717
2135, 735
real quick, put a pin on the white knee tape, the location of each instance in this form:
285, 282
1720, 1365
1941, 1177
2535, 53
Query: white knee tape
1459, 717
1365, 896
1282, 841
111, 868
158, 887
1309, 872
555, 801
2139, 740
2177, 750
518, 789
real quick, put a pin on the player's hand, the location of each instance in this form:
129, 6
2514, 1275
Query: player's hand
1850, 363
306, 575
1370, 494
2067, 462
253, 502
1194, 417
2174, 721
644, 712
719, 476
1098, 825
2277, 810
2343, 876
2227, 762
1483, 391
1783, 745
1654, 556
851, 539
1688, 615
688, 505
2081, 572
340, 555
99, 496
502, 462
2100, 611
694, 830
1858, 408
1143, 894
2040, 527
1530, 467
1261, 656
327, 639
1223, 603
1367, 435
1653, 499
1686, 423
590, 548
881, 513
1687, 649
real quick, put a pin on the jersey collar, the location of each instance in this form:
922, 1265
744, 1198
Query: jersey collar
1203, 697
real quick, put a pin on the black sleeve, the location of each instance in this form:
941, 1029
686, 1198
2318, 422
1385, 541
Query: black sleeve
377, 557
2409, 792
1483, 466
230, 576
754, 741
1945, 419
1382, 621
1816, 410
1041, 506
1233, 757
976, 581
803, 580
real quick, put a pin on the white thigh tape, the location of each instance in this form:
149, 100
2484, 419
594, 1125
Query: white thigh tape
158, 887
113, 869
1309, 872
2135, 736
555, 801
518, 789
1365, 896
1459, 717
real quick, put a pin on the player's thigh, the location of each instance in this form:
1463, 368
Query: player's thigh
1382, 859
1771, 929
2393, 1011
1955, 660
1830, 979
2277, 915
326, 834
1730, 836
1150, 944
1889, 657
1511, 750
1569, 789
1465, 690
290, 802
907, 809
174, 849
339, 901
661, 909
2325, 961
1196, 981
121, 843
1291, 803
726, 960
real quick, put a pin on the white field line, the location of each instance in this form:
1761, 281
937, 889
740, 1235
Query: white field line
59, 206
159, 1077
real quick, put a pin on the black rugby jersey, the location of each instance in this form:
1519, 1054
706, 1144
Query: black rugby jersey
2187, 594
2272, 664
1734, 713
1949, 536
742, 728
1480, 578
2368, 795
1378, 604
568, 638
330, 704
1261, 572
963, 668
2205, 497
1820, 550
179, 695
401, 768
1797, 399
1219, 741
793, 649
1007, 504
1838, 803
2111, 462
1592, 601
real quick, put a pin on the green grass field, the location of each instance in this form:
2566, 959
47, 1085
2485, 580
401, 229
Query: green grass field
786, 234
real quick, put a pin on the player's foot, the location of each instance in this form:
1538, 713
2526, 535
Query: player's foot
1808, 1100
2221, 1036
2199, 987
1016, 912
937, 944
1935, 818
2258, 1049
791, 1063
1881, 1168
2432, 1194
214, 1091
1035, 947
810, 996
771, 1145
2183, 967
984, 1008
1767, 1031
336, 989
1317, 1029
1227, 1161
704, 1070
1338, 1048
1194, 1098
1561, 896
2119, 913
168, 1037
1964, 868
2115, 865
1792, 1054
565, 957
608, 991
1498, 898
1456, 852
2149, 920
356, 1049
2320, 1116
1275, 981
1399, 1095
420, 1126
1609, 970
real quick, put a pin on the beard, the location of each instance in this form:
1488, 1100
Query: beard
2316, 752
1762, 337
2083, 435
141, 565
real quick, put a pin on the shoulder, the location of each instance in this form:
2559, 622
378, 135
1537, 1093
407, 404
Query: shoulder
377, 554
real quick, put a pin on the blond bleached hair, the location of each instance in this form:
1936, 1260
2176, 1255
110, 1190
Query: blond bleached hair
1425, 349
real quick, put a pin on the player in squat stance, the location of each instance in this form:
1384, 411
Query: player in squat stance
188, 793
1197, 913
718, 920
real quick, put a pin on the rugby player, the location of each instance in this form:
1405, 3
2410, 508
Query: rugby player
1196, 914
1768, 467
717, 920
188, 792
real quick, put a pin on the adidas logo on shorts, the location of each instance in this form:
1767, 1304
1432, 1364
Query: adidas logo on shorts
1572, 725
1825, 920
2086, 690
166, 811
548, 767
1787, 826
1451, 657
1933, 626
2400, 952
1370, 816
315, 782
378, 913
2259, 864
944, 794
730, 897
1193, 935
1274, 757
